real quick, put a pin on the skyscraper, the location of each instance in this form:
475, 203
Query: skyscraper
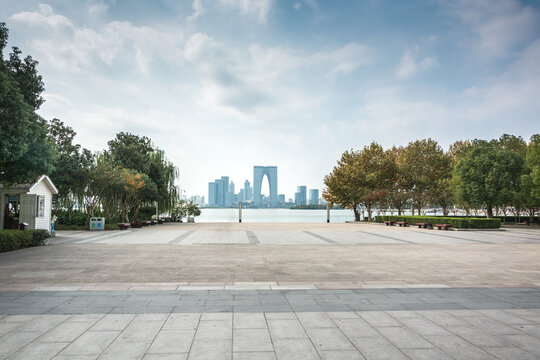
313, 196
300, 196
259, 172
212, 194
248, 191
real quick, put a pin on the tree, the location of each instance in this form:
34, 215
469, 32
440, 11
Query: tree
343, 186
25, 149
423, 164
397, 195
485, 175
361, 177
529, 195
71, 167
376, 170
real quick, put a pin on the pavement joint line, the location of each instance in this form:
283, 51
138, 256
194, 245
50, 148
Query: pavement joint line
77, 240
181, 238
325, 239
521, 237
107, 237
386, 237
252, 237
451, 237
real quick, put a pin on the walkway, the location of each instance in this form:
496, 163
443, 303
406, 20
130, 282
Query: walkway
274, 291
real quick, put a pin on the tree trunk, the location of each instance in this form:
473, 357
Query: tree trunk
399, 210
368, 208
489, 212
445, 210
356, 213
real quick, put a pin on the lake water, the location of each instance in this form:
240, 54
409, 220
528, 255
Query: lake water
274, 215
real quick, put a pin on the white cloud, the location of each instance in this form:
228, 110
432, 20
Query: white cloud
96, 7
499, 26
257, 8
198, 10
409, 67
73, 48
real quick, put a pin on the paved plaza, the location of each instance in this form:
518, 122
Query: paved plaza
273, 291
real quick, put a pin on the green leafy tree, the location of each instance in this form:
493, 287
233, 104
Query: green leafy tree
343, 187
529, 195
422, 164
71, 167
485, 175
25, 149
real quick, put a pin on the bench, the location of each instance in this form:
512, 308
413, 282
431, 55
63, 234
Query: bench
153, 222
389, 223
123, 226
145, 223
160, 221
442, 226
402, 223
136, 225
421, 225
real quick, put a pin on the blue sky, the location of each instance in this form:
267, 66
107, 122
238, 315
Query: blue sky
224, 85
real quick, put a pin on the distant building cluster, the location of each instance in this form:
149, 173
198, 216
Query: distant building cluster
222, 192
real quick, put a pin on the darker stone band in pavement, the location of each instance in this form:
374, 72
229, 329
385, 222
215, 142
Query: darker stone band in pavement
252, 237
181, 237
320, 237
211, 301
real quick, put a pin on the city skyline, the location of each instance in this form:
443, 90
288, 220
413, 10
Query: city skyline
221, 84
221, 192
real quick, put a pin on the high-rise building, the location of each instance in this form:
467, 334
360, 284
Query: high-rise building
281, 199
300, 196
223, 191
248, 191
242, 195
212, 194
313, 196
259, 172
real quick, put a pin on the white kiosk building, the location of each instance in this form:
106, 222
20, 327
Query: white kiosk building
27, 203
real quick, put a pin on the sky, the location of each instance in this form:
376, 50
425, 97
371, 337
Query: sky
224, 85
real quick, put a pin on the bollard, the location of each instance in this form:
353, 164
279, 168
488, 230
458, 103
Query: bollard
239, 212
327, 214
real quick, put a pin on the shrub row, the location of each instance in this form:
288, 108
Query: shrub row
18, 239
456, 222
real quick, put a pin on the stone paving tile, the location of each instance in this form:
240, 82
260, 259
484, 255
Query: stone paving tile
286, 329
426, 354
476, 336
423, 326
341, 355
525, 342
38, 351
254, 356
113, 322
123, 349
404, 338
91, 343
215, 330
172, 341
141, 329
252, 340
377, 348
378, 318
76, 357
43, 323
67, 332
295, 349
504, 317
217, 316
14, 341
510, 353
249, 321
183, 356
458, 348
442, 319
329, 339
315, 319
182, 321
211, 349
355, 327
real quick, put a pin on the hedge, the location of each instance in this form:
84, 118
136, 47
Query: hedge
456, 222
19, 239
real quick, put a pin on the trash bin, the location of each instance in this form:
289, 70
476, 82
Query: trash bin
97, 223
23, 226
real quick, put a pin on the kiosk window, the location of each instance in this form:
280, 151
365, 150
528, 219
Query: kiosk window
40, 206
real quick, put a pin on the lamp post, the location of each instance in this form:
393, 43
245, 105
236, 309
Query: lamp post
327, 213
239, 211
